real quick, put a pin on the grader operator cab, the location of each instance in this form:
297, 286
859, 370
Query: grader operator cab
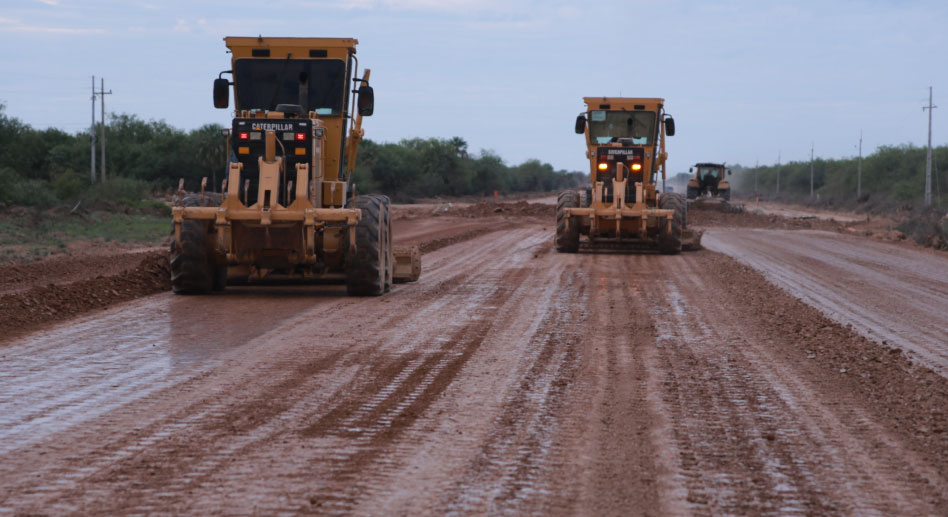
709, 181
625, 144
288, 206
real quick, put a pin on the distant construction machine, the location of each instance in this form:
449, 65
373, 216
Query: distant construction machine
709, 182
625, 144
288, 207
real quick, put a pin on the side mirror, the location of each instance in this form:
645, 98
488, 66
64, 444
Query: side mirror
580, 125
366, 103
221, 93
691, 169
670, 126
729, 172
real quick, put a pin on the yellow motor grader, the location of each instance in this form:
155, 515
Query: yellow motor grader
709, 182
287, 206
625, 144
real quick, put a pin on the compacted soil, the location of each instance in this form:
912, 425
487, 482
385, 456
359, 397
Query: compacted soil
508, 379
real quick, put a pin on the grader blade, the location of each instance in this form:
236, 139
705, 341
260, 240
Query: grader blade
407, 264
691, 239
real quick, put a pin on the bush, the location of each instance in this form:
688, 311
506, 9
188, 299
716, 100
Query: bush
16, 190
119, 190
68, 185
928, 228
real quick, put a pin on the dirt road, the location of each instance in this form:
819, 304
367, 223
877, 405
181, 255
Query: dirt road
509, 379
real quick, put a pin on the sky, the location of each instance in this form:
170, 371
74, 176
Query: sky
747, 81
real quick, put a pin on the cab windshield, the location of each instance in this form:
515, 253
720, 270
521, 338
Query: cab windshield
610, 126
264, 83
705, 172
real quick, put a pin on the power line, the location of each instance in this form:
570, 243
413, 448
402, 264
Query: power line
811, 169
928, 156
92, 131
102, 94
859, 170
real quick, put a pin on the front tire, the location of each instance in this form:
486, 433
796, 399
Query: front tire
567, 228
193, 269
366, 271
669, 242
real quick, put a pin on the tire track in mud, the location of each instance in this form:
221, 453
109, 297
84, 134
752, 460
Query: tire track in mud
156, 465
394, 384
510, 470
608, 460
752, 436
378, 412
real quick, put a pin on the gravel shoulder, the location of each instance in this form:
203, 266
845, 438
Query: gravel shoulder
896, 296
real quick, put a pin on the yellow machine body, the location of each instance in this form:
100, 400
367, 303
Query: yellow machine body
286, 204
625, 159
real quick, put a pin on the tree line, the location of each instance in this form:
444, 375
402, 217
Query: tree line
43, 167
892, 176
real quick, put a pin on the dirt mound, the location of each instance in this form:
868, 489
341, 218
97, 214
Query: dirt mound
443, 242
66, 269
710, 216
489, 208
29, 309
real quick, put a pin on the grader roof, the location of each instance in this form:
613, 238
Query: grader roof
278, 48
624, 103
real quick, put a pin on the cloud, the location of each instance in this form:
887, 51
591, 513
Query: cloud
15, 25
181, 26
53, 3
496, 7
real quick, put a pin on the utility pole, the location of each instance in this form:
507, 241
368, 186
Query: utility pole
103, 93
859, 170
92, 130
811, 169
756, 174
928, 157
778, 172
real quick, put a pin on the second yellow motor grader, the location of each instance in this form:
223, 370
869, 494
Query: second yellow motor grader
625, 144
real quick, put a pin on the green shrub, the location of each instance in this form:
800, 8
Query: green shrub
16, 190
119, 190
68, 185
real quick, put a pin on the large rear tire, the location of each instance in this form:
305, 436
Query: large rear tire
669, 241
366, 271
692, 193
567, 228
725, 194
193, 268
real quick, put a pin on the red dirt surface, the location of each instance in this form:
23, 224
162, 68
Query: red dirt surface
509, 379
